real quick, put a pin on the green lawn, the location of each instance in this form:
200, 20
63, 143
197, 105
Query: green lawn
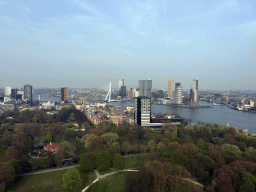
136, 161
47, 182
112, 183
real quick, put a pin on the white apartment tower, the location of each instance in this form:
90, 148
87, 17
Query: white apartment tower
177, 94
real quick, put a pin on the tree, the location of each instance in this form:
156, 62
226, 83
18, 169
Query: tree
72, 180
11, 153
7, 174
227, 177
161, 146
165, 141
189, 149
49, 137
160, 176
117, 162
87, 162
92, 142
59, 156
152, 145
247, 183
110, 139
103, 160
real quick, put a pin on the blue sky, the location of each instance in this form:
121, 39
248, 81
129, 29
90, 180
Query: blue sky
85, 44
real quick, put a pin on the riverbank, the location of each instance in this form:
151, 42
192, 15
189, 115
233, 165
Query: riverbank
186, 106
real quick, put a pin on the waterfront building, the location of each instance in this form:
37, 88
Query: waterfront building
194, 91
64, 94
122, 92
145, 87
171, 84
177, 94
131, 93
7, 91
28, 94
142, 110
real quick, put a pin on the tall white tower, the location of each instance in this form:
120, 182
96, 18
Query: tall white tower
120, 83
7, 91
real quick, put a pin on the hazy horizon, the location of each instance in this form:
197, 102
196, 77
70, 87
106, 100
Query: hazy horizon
87, 44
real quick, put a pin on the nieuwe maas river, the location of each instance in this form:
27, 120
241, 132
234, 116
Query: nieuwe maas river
217, 114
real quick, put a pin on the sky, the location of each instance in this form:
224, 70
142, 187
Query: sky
87, 44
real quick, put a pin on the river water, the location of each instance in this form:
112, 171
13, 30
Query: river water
217, 114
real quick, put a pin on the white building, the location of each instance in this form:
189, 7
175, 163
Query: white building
177, 94
7, 91
120, 83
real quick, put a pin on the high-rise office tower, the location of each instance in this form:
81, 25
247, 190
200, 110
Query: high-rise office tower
145, 87
7, 91
142, 110
14, 93
122, 92
28, 94
64, 94
177, 94
120, 84
194, 90
170, 87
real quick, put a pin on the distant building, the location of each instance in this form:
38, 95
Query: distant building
142, 110
14, 93
178, 94
7, 91
28, 94
131, 93
194, 91
122, 92
145, 87
137, 92
64, 94
118, 120
170, 87
120, 84
52, 147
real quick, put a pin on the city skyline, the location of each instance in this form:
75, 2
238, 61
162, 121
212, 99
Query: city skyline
85, 44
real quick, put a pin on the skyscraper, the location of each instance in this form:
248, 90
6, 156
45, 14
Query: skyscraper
142, 110
145, 87
28, 94
170, 87
7, 91
194, 90
64, 94
120, 84
177, 94
14, 93
122, 92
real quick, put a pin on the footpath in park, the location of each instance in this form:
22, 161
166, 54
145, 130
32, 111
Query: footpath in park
49, 170
99, 176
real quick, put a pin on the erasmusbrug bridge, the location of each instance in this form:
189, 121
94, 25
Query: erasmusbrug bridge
108, 96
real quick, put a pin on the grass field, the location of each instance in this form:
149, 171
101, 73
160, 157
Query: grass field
47, 182
112, 183
135, 161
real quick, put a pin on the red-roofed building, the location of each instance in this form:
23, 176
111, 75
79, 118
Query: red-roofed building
52, 147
